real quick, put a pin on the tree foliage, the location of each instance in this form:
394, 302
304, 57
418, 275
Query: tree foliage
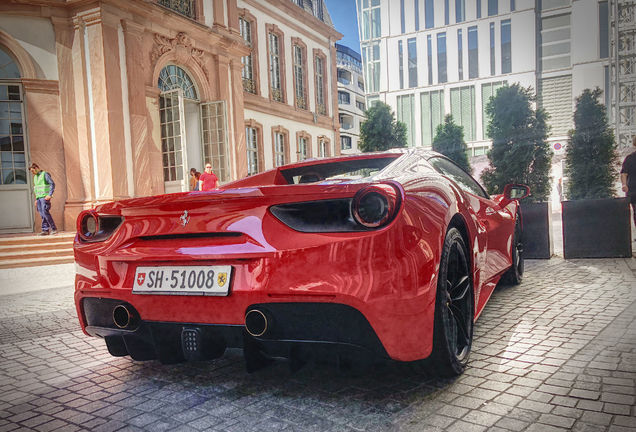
520, 152
591, 158
449, 141
381, 131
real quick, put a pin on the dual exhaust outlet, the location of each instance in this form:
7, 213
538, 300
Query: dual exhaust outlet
125, 317
256, 322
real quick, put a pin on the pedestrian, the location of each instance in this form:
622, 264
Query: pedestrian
628, 178
208, 179
43, 188
194, 179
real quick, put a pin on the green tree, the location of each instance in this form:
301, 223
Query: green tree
520, 152
591, 158
449, 141
381, 131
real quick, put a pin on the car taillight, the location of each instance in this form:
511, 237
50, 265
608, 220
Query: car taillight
376, 205
94, 227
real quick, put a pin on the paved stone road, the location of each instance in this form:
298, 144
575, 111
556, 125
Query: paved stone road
557, 352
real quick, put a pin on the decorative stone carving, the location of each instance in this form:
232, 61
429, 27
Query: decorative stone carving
181, 46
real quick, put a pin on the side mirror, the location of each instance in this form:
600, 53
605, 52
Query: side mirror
514, 192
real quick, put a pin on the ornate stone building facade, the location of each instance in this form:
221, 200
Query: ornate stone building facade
119, 98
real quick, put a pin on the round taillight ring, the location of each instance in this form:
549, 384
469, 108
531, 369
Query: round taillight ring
376, 205
88, 225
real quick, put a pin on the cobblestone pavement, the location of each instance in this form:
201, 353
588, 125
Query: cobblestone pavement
557, 352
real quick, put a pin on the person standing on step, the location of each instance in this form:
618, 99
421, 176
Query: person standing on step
208, 180
43, 188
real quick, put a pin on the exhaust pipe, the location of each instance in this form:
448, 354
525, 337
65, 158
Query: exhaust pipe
124, 317
256, 322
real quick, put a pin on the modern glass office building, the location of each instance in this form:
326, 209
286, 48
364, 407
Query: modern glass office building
429, 58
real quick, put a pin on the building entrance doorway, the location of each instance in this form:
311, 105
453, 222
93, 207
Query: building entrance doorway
16, 203
192, 133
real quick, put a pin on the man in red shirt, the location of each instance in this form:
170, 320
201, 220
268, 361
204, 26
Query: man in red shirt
207, 180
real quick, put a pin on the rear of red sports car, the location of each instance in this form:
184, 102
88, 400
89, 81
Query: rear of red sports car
271, 264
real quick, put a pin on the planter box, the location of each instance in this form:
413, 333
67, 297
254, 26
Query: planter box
597, 228
537, 230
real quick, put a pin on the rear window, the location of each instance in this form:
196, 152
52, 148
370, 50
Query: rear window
336, 171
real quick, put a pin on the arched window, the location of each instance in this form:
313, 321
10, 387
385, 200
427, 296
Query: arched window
8, 68
172, 77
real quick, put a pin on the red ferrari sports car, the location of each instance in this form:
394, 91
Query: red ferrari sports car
384, 254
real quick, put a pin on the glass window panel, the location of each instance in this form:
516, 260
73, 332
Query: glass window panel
5, 143
603, 25
401, 63
15, 109
16, 128
18, 143
4, 127
506, 47
492, 48
405, 114
429, 12
463, 109
460, 54
416, 6
473, 55
14, 93
4, 95
493, 7
172, 77
441, 58
412, 53
460, 10
4, 111
429, 49
446, 12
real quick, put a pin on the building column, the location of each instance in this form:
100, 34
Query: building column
232, 16
146, 179
218, 12
105, 105
74, 116
231, 91
153, 143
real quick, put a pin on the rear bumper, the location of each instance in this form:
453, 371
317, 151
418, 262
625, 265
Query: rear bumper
299, 329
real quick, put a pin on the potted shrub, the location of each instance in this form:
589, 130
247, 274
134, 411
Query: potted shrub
595, 224
449, 141
520, 153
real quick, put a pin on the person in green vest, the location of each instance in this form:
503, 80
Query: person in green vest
43, 188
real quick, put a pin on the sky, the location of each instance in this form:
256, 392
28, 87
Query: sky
343, 15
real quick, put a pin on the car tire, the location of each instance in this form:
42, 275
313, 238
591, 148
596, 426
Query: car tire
514, 275
454, 309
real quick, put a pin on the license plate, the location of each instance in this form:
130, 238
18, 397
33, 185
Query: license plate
183, 280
